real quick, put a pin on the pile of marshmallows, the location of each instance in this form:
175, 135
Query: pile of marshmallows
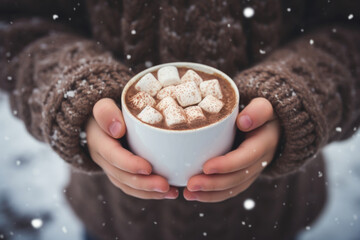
181, 100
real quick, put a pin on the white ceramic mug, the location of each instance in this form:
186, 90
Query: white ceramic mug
179, 154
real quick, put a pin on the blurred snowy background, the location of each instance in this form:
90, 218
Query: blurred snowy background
32, 179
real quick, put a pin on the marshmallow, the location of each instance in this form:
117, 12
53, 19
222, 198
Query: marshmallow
150, 115
166, 102
194, 114
168, 76
141, 100
149, 84
211, 104
169, 91
211, 87
188, 94
191, 76
174, 115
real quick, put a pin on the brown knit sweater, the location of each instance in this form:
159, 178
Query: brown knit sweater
58, 58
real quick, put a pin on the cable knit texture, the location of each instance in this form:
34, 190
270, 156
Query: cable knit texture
58, 59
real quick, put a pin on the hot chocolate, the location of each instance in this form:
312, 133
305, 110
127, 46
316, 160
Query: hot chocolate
180, 98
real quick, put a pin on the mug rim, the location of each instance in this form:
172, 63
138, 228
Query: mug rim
191, 65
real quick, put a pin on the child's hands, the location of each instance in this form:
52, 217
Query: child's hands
130, 173
226, 176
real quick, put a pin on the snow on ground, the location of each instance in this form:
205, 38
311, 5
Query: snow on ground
32, 179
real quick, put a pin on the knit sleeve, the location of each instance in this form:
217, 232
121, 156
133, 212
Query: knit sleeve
58, 79
313, 85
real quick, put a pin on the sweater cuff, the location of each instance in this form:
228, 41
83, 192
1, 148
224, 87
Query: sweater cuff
69, 104
302, 131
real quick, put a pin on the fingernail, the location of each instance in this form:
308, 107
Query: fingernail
156, 189
191, 197
211, 171
115, 128
195, 188
245, 122
143, 172
171, 195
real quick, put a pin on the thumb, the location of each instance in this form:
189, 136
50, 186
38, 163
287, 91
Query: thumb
109, 117
255, 114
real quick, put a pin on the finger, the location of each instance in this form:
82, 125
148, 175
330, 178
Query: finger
253, 148
109, 117
112, 151
173, 193
218, 196
137, 181
255, 114
220, 182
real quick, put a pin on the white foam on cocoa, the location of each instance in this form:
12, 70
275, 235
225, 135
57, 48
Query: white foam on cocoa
194, 114
211, 87
188, 94
211, 104
166, 102
191, 76
150, 115
174, 115
168, 75
141, 100
148, 83
169, 91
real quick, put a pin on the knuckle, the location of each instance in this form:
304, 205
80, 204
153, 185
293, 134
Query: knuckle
135, 182
212, 185
265, 105
102, 106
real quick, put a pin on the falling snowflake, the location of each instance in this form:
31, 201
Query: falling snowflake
64, 229
311, 41
262, 51
338, 129
148, 64
204, 234
133, 32
288, 9
249, 204
201, 214
320, 174
351, 16
82, 135
128, 56
36, 223
264, 164
248, 12
9, 78
55, 16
